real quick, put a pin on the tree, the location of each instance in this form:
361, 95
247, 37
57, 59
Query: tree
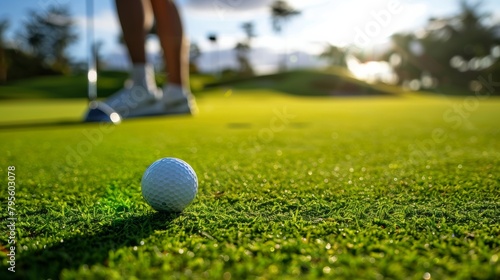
4, 25
281, 12
334, 55
48, 34
466, 35
15, 63
213, 38
454, 50
411, 66
249, 29
242, 50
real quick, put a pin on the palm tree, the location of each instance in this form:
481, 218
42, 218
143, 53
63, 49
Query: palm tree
242, 50
214, 40
249, 29
49, 34
281, 12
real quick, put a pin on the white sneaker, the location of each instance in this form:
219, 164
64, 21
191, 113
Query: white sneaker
178, 100
172, 100
132, 101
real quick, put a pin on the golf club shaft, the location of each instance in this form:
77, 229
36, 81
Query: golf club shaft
92, 71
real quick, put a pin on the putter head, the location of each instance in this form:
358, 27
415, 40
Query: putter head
101, 112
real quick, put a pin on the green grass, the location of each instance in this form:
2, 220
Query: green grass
289, 188
332, 82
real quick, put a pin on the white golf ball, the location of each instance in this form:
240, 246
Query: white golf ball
169, 185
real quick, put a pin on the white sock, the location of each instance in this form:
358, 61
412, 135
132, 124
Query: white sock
143, 75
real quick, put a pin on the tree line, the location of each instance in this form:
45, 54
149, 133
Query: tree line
41, 45
448, 52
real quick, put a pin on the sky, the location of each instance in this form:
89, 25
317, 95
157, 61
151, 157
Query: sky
341, 22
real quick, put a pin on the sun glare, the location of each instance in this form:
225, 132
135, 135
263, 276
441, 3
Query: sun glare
92, 75
372, 71
360, 23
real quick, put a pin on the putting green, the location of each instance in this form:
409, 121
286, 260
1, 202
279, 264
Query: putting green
289, 187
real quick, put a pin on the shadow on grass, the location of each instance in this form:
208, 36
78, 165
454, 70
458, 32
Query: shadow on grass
90, 249
39, 124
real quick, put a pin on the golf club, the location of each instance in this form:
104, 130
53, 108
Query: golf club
98, 111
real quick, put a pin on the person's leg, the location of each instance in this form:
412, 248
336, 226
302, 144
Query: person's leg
173, 41
143, 98
136, 19
177, 96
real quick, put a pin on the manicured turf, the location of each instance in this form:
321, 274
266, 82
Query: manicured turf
289, 188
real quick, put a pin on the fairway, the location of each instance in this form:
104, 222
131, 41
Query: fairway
290, 187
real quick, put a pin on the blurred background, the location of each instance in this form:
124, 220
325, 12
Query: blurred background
418, 45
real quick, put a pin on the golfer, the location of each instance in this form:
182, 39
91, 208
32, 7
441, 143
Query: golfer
141, 97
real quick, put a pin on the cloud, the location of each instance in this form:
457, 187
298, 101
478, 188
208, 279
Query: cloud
344, 24
233, 9
236, 5
106, 30
225, 9
495, 17
105, 22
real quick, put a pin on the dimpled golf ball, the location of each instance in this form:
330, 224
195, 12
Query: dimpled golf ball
169, 185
